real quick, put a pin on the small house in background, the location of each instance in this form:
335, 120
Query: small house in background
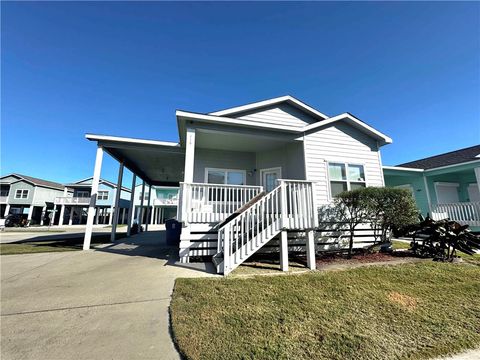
159, 204
27, 196
444, 186
71, 206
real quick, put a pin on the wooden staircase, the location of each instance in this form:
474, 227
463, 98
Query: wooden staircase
289, 206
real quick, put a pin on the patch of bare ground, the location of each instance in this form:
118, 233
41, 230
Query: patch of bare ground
405, 301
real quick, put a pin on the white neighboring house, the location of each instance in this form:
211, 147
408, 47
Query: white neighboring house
252, 176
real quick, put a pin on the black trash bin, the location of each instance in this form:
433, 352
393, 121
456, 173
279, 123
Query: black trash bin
173, 230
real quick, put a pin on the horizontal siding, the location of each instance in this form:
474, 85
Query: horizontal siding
340, 143
282, 114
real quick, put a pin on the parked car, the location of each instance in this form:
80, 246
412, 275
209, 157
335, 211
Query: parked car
15, 220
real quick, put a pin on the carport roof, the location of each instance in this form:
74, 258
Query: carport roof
156, 162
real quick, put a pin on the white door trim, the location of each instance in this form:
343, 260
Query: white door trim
263, 171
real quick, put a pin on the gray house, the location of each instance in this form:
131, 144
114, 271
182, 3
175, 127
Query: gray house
28, 196
251, 177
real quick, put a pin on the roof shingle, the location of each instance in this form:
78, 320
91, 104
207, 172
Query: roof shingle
450, 158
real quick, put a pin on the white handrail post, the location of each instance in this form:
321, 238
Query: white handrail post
315, 206
132, 202
284, 250
226, 251
283, 204
93, 199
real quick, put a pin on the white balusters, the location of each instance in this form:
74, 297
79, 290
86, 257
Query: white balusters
467, 213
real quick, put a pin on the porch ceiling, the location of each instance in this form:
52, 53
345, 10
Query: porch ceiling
156, 162
238, 141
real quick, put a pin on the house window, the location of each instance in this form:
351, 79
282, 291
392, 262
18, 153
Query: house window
344, 177
83, 194
21, 194
102, 195
225, 176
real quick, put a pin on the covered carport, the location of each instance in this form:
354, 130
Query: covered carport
158, 163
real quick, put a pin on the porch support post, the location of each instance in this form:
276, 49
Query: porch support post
97, 214
131, 207
30, 213
140, 211
148, 206
284, 250
7, 210
116, 209
70, 221
93, 198
44, 210
477, 176
62, 214
189, 155
311, 250
427, 192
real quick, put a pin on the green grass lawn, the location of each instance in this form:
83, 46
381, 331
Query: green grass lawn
413, 311
65, 244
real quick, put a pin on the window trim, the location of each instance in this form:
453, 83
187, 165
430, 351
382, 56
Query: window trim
244, 174
21, 194
347, 181
103, 191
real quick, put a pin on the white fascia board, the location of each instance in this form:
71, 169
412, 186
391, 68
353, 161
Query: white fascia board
93, 137
230, 121
359, 123
402, 168
268, 102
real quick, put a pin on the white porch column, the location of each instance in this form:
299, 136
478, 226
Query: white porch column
62, 213
148, 206
140, 211
42, 217
116, 208
122, 221
70, 220
30, 213
311, 250
477, 176
283, 251
7, 210
132, 206
97, 214
189, 155
93, 198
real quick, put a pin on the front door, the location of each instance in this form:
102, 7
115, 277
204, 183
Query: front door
269, 178
447, 193
473, 193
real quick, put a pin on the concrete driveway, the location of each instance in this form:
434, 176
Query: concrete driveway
109, 303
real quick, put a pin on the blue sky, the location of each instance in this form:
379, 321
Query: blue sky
412, 70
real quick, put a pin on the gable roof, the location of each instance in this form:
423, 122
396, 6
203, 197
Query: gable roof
269, 102
102, 181
450, 158
36, 181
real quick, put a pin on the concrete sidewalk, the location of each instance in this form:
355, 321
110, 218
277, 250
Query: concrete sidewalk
109, 303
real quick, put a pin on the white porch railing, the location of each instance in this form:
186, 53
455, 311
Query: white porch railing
290, 205
466, 213
208, 203
65, 200
173, 201
3, 199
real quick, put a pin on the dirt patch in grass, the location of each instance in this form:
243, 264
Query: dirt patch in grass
406, 301
411, 311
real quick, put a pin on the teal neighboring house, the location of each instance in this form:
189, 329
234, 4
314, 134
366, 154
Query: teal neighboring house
444, 186
159, 204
